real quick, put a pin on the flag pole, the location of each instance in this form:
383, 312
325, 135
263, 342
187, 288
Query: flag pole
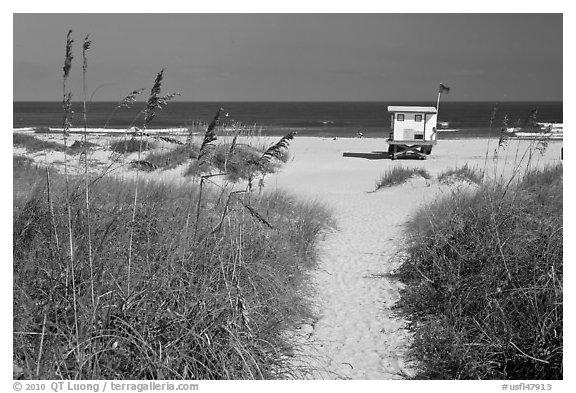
438, 100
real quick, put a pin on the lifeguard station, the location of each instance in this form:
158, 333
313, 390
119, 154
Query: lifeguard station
413, 131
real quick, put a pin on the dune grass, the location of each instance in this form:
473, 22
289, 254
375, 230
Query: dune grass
462, 173
210, 305
239, 161
172, 157
132, 145
483, 275
242, 162
18, 160
118, 279
398, 175
42, 130
33, 144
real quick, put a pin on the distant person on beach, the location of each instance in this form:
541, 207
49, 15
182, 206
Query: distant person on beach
359, 134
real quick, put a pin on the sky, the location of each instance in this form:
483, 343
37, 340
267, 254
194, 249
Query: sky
294, 57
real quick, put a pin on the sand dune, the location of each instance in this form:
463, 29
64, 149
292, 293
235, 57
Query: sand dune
357, 335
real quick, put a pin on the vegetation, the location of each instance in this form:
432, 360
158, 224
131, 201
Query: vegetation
117, 279
33, 144
398, 175
483, 275
462, 173
172, 158
208, 300
241, 162
132, 145
42, 130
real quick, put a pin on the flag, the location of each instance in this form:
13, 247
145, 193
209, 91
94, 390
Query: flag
443, 89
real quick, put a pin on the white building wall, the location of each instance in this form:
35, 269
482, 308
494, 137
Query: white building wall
431, 120
409, 127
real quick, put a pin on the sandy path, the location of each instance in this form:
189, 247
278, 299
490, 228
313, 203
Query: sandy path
357, 331
357, 335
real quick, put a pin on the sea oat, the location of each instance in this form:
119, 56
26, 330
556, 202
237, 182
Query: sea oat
153, 101
169, 140
543, 141
503, 140
209, 136
85, 47
275, 150
146, 165
130, 99
69, 56
68, 113
126, 102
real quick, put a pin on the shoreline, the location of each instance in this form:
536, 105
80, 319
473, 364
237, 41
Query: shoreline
443, 135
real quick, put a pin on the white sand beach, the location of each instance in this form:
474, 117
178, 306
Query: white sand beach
357, 335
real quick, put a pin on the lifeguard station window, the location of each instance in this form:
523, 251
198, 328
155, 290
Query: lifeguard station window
400, 117
417, 117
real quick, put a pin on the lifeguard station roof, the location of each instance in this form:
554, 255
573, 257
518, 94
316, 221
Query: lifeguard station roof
419, 109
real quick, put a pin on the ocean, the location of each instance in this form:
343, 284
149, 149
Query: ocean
326, 119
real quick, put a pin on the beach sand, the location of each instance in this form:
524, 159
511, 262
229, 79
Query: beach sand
357, 335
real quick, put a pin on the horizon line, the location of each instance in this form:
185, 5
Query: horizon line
302, 101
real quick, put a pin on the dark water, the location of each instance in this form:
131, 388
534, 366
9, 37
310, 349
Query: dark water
469, 119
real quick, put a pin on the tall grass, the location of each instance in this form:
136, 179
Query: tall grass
141, 296
172, 158
462, 173
133, 145
67, 124
483, 275
155, 103
241, 161
33, 144
85, 47
398, 175
210, 309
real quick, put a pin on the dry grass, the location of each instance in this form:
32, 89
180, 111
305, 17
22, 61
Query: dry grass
172, 158
398, 175
33, 144
483, 275
119, 279
133, 145
212, 307
462, 173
